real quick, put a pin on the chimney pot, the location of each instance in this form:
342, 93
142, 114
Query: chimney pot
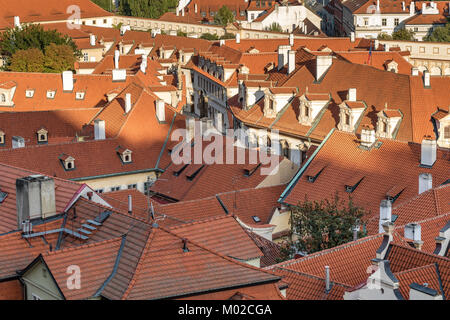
291, 39
16, 22
130, 204
116, 59
352, 36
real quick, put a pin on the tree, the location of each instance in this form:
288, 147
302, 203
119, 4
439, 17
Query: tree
209, 36
146, 8
32, 36
276, 27
30, 60
403, 34
384, 36
228, 36
105, 4
58, 58
319, 225
224, 16
440, 34
181, 33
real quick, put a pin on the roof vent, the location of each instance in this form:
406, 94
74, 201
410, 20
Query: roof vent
185, 247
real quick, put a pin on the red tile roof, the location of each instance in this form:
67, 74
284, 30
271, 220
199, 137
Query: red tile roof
427, 274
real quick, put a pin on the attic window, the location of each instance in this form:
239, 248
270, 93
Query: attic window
193, 174
42, 135
80, 95
29, 93
3, 196
394, 192
314, 171
178, 172
353, 184
256, 219
67, 161
124, 154
51, 94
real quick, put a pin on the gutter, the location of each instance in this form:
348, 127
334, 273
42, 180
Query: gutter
116, 174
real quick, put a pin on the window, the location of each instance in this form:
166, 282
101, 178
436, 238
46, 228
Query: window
80, 95
285, 151
115, 189
396, 21
50, 94
132, 186
105, 21
306, 111
422, 49
99, 191
2, 137
252, 16
85, 57
29, 93
383, 22
416, 29
94, 21
447, 132
347, 119
366, 21
384, 127
3, 97
435, 50
271, 104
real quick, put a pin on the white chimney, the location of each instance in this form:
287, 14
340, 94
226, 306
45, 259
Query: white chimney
221, 42
178, 13
99, 129
283, 56
190, 128
428, 152
425, 182
16, 22
413, 232
119, 75
291, 39
327, 279
378, 5
195, 8
238, 38
323, 63
376, 44
403, 6
160, 110
92, 39
130, 204
385, 214
424, 6
144, 63
291, 61
67, 78
386, 47
116, 59
352, 94
127, 102
426, 79
412, 8
414, 71
367, 136
182, 12
305, 29
352, 36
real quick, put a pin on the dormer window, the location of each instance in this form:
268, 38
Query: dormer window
42, 135
80, 95
441, 121
388, 123
124, 154
350, 114
2, 137
29, 93
51, 94
67, 162
7, 91
311, 105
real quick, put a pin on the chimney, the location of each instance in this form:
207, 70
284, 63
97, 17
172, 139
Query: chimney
67, 77
305, 29
424, 6
18, 142
352, 36
196, 8
127, 102
99, 129
428, 152
291, 39
426, 79
412, 8
92, 39
323, 63
386, 47
376, 44
182, 12
283, 56
291, 61
238, 38
160, 110
144, 63
119, 75
327, 279
443, 240
35, 198
17, 22
352, 94
190, 128
221, 42
378, 6
425, 182
130, 204
403, 6
413, 233
178, 13
368, 136
219, 122
385, 214
116, 59
414, 71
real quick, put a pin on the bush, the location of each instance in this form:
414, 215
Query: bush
209, 36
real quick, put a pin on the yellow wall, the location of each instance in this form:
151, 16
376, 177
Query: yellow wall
123, 181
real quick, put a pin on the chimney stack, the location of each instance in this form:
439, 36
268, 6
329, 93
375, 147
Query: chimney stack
160, 110
386, 47
291, 61
327, 279
403, 6
283, 52
144, 63
352, 94
67, 77
385, 213
414, 71
99, 129
291, 39
238, 38
412, 8
443, 240
221, 42
130, 204
119, 75
352, 36
376, 44
116, 59
323, 63
425, 182
413, 232
190, 128
428, 152
426, 79
127, 102
17, 22
92, 39
368, 136
35, 198
196, 8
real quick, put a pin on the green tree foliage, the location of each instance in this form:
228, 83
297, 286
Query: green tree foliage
209, 36
30, 60
224, 16
58, 58
105, 4
275, 27
228, 36
440, 34
32, 36
319, 225
403, 34
146, 8
181, 33
384, 36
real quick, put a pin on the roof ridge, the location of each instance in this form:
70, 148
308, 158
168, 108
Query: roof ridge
420, 251
416, 269
420, 195
195, 222
313, 276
